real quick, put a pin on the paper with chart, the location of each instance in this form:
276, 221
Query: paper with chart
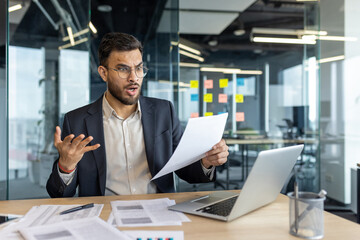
83, 229
153, 212
200, 135
48, 214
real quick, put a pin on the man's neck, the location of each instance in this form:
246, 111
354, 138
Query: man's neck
121, 109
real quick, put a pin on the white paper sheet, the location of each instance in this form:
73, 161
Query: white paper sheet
48, 214
200, 135
82, 229
145, 213
174, 235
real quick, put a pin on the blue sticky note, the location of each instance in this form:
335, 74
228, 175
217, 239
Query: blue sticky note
194, 97
220, 113
240, 81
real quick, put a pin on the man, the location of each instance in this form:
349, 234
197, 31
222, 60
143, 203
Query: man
135, 135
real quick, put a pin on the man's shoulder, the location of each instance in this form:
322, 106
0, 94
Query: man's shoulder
87, 109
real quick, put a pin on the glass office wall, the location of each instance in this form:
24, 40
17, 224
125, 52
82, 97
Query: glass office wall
340, 136
48, 66
258, 65
3, 102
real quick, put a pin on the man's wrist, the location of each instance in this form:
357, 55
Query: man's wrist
207, 166
62, 169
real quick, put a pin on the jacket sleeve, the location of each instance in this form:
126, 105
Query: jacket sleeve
55, 185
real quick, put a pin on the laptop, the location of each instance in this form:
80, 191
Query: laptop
264, 183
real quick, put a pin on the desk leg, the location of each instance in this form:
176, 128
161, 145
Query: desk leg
243, 162
227, 174
246, 161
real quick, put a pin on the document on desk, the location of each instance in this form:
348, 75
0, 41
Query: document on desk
84, 229
48, 214
152, 212
200, 135
174, 235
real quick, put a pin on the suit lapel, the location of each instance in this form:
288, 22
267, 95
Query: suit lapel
148, 122
95, 128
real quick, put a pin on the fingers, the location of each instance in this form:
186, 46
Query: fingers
57, 136
218, 155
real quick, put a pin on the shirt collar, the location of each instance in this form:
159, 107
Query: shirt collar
108, 111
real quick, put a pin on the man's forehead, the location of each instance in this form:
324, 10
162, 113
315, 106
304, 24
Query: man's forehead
133, 56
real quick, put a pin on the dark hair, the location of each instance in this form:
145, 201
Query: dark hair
118, 42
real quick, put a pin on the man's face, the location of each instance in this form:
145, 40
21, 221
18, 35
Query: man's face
126, 90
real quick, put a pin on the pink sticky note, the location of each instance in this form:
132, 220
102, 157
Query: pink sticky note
208, 84
194, 115
222, 98
240, 117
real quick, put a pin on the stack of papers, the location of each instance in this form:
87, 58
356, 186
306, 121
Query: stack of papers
145, 213
83, 229
44, 215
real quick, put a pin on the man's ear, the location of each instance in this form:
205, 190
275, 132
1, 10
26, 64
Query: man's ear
103, 73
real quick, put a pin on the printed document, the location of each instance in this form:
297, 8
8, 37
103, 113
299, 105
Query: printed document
82, 229
200, 135
48, 214
145, 213
174, 235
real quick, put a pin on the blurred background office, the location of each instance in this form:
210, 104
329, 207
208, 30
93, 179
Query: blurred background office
285, 70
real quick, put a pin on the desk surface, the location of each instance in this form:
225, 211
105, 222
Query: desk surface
269, 222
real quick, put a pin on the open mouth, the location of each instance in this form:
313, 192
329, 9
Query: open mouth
132, 90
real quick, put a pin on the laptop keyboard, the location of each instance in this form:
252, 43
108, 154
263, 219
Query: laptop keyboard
222, 208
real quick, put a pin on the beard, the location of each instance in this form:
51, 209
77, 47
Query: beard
126, 100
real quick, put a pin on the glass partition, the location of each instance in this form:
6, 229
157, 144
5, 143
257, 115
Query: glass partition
260, 67
48, 75
3, 101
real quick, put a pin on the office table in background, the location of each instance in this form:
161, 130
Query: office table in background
269, 222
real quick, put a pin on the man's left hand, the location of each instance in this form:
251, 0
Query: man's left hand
217, 155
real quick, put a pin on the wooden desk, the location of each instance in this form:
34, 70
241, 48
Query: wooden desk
269, 222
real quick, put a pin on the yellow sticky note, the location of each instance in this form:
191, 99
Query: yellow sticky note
194, 84
222, 98
209, 114
239, 98
240, 116
223, 83
208, 97
194, 115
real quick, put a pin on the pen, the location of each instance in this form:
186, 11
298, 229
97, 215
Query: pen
90, 205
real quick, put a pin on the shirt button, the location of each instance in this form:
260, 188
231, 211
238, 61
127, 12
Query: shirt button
134, 190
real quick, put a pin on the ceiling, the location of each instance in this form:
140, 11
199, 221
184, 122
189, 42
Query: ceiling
201, 22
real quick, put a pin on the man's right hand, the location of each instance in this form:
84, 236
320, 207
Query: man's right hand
72, 149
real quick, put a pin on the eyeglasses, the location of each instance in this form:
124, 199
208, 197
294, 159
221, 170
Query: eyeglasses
124, 72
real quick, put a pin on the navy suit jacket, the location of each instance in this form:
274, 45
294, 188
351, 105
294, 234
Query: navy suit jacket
162, 133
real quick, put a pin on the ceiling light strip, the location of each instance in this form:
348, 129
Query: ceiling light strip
92, 28
76, 43
283, 40
231, 70
332, 59
71, 36
15, 7
182, 46
191, 55
194, 65
281, 31
84, 31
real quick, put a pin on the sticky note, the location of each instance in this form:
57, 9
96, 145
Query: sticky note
209, 114
208, 97
222, 98
221, 112
194, 115
240, 81
194, 84
208, 84
194, 97
239, 98
223, 83
240, 116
